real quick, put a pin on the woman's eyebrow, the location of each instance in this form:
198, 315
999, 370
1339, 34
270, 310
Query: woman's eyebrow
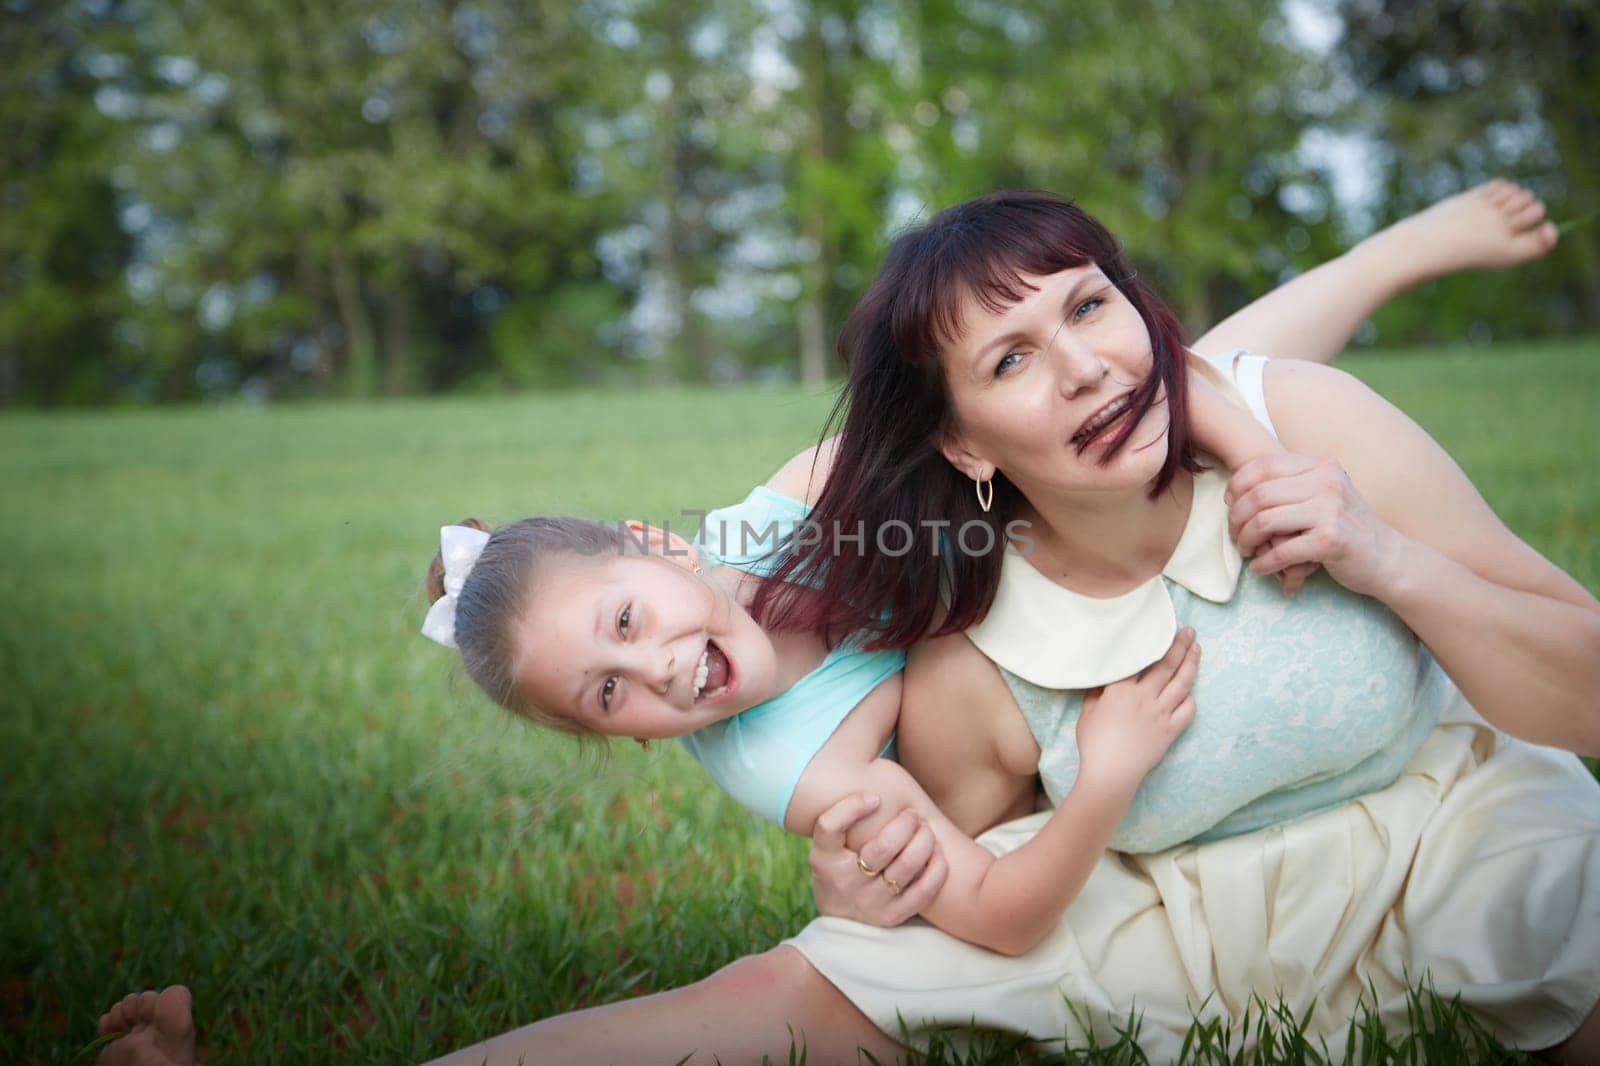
1011, 338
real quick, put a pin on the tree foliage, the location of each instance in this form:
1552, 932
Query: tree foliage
280, 198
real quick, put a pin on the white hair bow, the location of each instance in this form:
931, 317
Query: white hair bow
459, 547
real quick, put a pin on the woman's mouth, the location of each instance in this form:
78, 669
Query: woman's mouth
1102, 426
714, 676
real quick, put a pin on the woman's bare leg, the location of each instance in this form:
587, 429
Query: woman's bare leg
756, 1006
1496, 225
738, 1014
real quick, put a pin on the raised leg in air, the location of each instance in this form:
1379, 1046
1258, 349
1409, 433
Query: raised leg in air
1496, 225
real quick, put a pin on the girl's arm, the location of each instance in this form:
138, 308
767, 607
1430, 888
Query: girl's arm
1313, 316
1009, 904
1226, 429
1391, 515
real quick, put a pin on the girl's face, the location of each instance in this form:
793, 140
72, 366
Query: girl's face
641, 646
1037, 386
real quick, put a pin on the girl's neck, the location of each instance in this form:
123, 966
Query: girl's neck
1105, 544
798, 653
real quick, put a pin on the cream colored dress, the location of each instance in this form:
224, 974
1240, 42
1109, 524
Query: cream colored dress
1478, 866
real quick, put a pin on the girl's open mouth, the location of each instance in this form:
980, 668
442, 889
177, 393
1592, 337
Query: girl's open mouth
714, 676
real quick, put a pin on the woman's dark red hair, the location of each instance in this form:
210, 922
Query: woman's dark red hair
895, 409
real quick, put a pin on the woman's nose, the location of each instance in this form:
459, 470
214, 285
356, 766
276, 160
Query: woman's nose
1078, 367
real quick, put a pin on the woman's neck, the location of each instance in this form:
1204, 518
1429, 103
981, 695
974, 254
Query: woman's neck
1105, 544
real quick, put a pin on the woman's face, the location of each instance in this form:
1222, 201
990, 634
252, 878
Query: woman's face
1032, 383
640, 645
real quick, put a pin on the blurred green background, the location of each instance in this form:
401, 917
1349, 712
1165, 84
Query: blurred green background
274, 198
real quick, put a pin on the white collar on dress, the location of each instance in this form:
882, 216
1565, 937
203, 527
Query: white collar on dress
1061, 639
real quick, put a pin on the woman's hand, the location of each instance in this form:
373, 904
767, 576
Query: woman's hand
1127, 726
1304, 509
908, 869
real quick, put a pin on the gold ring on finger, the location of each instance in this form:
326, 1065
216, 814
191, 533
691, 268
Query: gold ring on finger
892, 885
869, 871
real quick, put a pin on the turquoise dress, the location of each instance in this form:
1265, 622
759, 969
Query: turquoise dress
758, 755
1301, 703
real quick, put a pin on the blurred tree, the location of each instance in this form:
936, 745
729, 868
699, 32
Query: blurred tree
332, 170
278, 198
1461, 90
1177, 124
839, 172
62, 251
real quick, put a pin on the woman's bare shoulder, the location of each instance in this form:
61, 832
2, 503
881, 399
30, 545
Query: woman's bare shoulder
803, 476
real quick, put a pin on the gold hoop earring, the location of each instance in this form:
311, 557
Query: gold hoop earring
645, 744
985, 498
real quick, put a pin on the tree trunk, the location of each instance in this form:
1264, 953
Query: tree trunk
360, 344
9, 375
813, 345
396, 343
311, 281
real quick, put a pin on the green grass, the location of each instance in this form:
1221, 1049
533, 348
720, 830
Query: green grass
229, 759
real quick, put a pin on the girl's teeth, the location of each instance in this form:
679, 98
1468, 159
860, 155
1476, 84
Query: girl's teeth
701, 672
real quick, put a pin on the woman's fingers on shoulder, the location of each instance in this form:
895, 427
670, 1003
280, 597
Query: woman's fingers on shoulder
1266, 468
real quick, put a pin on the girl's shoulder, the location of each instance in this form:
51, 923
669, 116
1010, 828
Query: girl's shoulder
801, 478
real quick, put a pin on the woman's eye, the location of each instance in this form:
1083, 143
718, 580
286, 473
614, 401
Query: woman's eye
1007, 361
624, 619
606, 690
1087, 306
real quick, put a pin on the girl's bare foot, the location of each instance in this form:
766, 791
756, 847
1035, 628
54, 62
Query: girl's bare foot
159, 1028
1496, 225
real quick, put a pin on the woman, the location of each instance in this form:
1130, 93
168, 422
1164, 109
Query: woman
774, 989
1033, 363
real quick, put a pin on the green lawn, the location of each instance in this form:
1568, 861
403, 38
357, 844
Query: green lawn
228, 758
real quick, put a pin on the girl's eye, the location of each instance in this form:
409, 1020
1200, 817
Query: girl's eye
1087, 306
606, 690
624, 619
1007, 361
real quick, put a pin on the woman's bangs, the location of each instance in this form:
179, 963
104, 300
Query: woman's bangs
987, 264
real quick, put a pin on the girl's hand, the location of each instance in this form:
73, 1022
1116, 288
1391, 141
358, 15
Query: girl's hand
1126, 727
908, 867
1302, 509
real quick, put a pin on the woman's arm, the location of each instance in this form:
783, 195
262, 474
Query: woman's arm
1313, 316
1391, 515
1009, 904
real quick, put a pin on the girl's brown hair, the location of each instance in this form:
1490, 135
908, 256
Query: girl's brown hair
495, 594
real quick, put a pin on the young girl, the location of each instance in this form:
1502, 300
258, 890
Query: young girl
590, 629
